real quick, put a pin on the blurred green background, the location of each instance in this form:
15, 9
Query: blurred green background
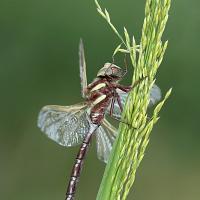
39, 66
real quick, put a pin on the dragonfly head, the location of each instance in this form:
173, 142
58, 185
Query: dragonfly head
112, 71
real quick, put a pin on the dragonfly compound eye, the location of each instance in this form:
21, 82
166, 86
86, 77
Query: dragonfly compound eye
111, 70
116, 71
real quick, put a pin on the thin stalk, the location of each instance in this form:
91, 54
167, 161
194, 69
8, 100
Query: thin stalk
131, 143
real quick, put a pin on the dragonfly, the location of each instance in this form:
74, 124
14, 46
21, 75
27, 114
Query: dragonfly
74, 125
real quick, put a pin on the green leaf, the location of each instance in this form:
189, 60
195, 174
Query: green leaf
127, 38
116, 50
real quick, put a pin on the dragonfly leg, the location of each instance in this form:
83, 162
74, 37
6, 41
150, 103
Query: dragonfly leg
120, 105
112, 106
138, 81
129, 88
116, 96
124, 122
119, 102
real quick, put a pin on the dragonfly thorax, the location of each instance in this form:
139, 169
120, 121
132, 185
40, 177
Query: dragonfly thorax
100, 93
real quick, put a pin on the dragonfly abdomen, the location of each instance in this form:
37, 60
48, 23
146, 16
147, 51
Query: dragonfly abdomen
76, 171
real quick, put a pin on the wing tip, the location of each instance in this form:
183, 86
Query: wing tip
80, 44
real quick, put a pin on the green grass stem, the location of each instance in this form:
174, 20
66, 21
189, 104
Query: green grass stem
131, 143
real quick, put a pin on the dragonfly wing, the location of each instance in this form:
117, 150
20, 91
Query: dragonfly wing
155, 95
82, 65
66, 125
105, 137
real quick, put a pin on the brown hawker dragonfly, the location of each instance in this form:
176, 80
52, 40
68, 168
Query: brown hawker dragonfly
75, 124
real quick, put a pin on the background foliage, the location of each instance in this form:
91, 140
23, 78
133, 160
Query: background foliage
39, 66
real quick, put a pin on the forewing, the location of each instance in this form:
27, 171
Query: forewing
155, 95
66, 125
82, 65
105, 137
